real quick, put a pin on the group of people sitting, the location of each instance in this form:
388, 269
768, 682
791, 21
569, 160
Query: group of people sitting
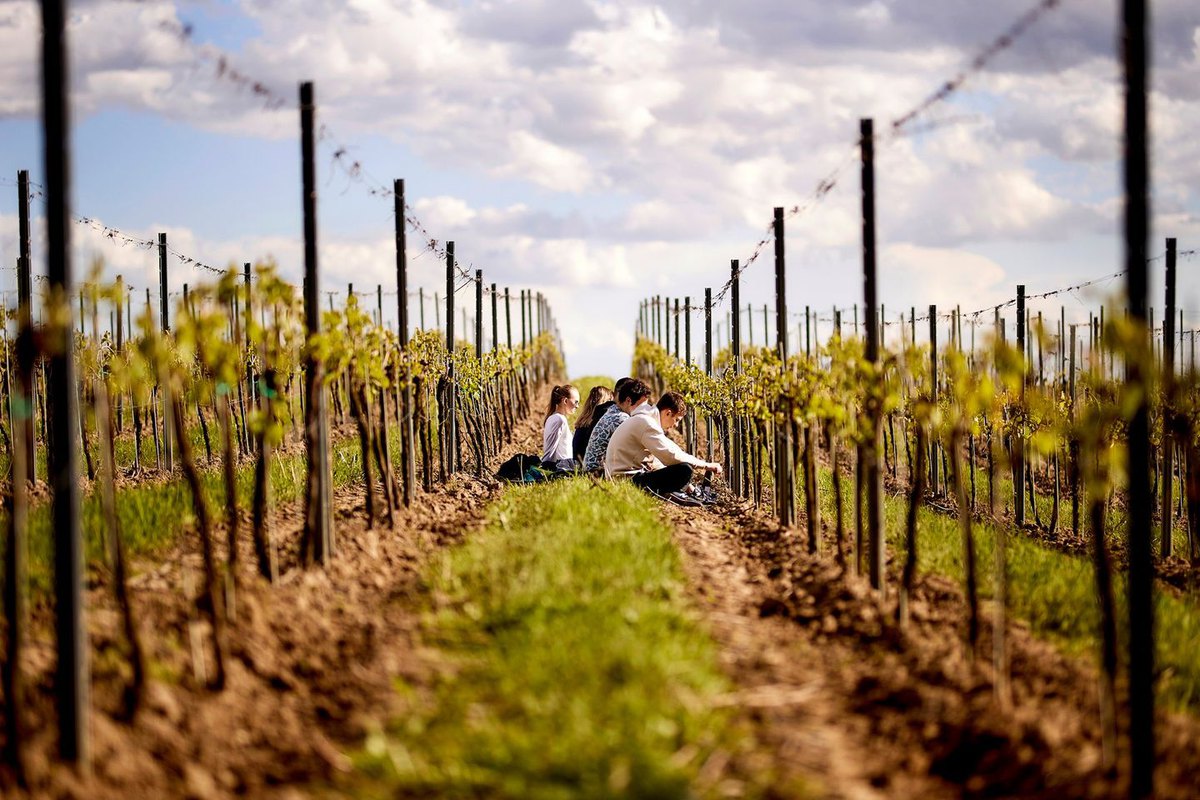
621, 433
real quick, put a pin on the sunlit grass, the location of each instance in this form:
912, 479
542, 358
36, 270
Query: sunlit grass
578, 670
152, 514
1053, 591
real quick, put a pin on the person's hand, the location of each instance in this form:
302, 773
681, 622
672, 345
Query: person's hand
715, 468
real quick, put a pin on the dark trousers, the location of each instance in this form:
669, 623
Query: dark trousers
665, 480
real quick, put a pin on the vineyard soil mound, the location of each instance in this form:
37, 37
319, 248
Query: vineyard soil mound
875, 711
309, 660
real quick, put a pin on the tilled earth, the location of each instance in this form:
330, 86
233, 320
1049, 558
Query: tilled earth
836, 696
842, 695
309, 661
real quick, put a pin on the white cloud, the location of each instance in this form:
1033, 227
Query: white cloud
690, 119
929, 275
543, 163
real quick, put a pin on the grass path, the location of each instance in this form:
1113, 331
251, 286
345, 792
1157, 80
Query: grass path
575, 666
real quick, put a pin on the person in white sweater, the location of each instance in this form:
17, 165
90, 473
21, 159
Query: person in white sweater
641, 450
556, 435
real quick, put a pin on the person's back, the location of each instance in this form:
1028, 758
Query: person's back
593, 457
630, 394
640, 449
626, 450
599, 400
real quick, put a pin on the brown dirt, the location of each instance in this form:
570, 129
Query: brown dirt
863, 709
309, 663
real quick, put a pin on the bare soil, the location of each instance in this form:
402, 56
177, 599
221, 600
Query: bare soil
309, 661
861, 708
837, 697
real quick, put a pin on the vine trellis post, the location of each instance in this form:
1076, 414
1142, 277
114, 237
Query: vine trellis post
71, 678
319, 545
785, 499
873, 475
1141, 567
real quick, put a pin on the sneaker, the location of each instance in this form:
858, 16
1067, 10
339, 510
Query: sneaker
684, 499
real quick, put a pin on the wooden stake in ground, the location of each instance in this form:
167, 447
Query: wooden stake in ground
15, 614
872, 475
915, 497
1141, 564
1168, 434
318, 534
71, 677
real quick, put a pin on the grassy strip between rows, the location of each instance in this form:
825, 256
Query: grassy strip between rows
577, 668
1052, 590
152, 514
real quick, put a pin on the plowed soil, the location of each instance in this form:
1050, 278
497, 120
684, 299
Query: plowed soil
841, 693
839, 698
309, 659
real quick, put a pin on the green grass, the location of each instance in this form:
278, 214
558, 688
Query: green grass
1116, 524
1052, 590
153, 514
578, 670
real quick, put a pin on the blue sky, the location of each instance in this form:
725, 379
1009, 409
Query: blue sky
602, 152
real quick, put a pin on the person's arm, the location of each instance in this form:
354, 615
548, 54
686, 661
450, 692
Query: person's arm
666, 451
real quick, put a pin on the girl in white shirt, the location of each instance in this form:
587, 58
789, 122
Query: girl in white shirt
556, 435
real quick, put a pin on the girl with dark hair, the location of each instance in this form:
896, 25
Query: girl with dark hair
556, 435
598, 401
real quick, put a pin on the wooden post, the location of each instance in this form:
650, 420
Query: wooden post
479, 314
21, 405
25, 313
168, 429
71, 677
120, 334
319, 546
449, 430
1141, 567
162, 281
666, 343
933, 373
495, 321
1168, 439
524, 329
1018, 446
251, 389
808, 332
687, 327
408, 440
708, 362
873, 474
785, 499
677, 326
735, 345
508, 318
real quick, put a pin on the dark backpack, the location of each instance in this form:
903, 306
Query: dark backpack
516, 468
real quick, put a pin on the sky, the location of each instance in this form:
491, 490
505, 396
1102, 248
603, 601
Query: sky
603, 152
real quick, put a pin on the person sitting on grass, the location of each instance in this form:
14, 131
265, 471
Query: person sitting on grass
556, 435
640, 449
599, 399
631, 393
